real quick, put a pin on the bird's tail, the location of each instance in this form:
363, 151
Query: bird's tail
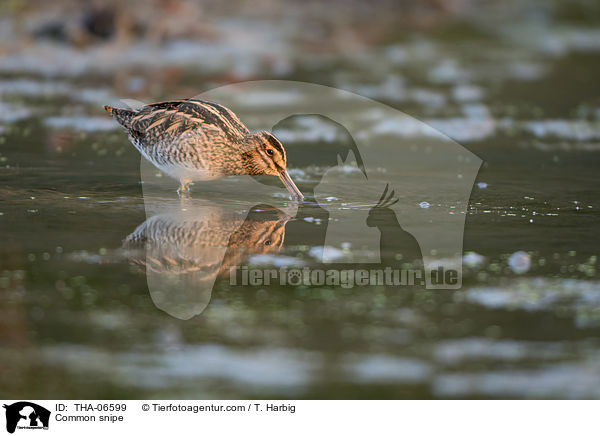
123, 116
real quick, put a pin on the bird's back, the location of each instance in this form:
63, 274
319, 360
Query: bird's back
180, 115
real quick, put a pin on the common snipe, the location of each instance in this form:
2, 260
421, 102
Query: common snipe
193, 140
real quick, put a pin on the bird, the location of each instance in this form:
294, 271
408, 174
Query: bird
194, 140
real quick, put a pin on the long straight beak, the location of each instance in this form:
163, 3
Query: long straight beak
289, 184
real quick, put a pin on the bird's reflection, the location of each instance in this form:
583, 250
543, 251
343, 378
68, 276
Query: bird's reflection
185, 250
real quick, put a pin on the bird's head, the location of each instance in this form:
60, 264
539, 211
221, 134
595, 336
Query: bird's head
264, 155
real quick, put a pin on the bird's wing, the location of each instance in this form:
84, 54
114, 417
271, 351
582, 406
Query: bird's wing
173, 118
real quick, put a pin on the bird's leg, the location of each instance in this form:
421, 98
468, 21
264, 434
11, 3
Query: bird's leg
184, 189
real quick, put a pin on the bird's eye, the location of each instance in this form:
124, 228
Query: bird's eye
270, 151
267, 242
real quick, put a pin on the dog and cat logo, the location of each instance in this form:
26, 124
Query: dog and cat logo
26, 415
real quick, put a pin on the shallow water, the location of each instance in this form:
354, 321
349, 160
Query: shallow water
80, 317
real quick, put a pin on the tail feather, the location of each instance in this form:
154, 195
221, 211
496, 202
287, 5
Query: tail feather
123, 116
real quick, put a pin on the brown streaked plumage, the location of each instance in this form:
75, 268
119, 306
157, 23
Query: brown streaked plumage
191, 240
183, 252
193, 140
